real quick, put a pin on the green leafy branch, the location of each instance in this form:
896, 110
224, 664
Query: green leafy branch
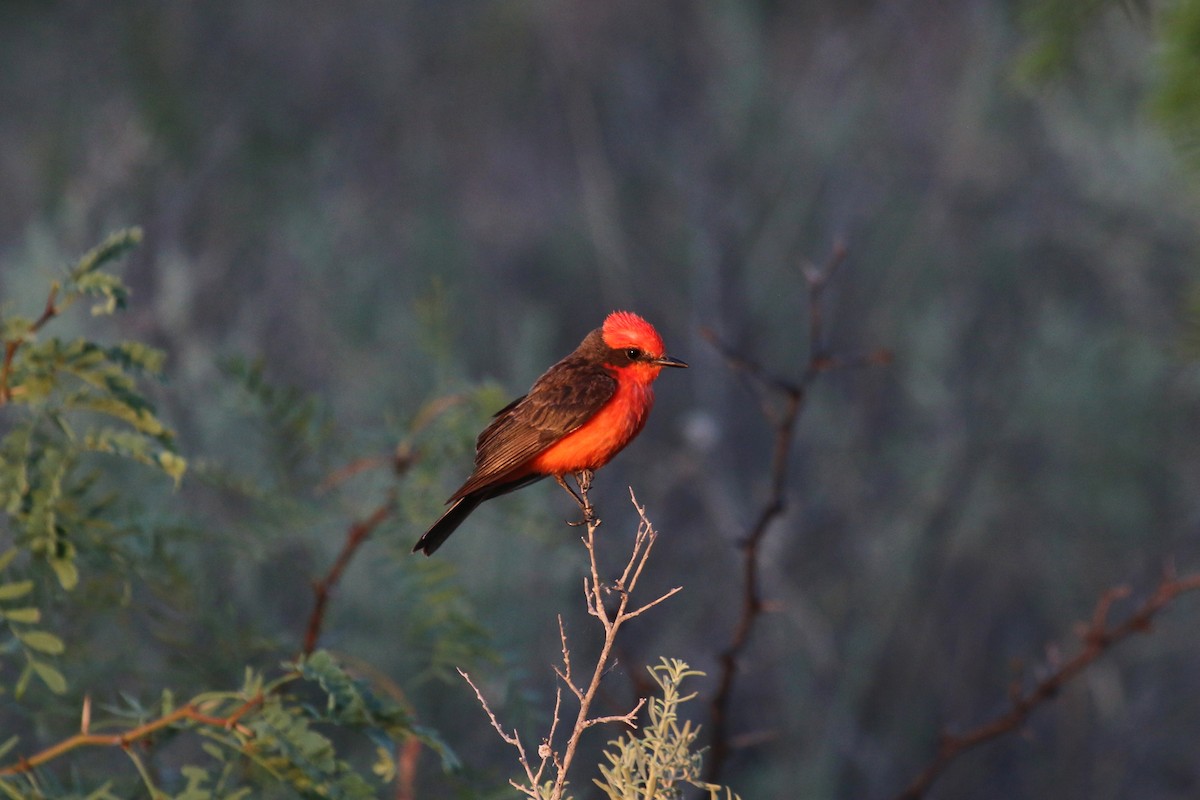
85, 279
297, 427
272, 727
312, 730
659, 762
35, 642
61, 402
56, 380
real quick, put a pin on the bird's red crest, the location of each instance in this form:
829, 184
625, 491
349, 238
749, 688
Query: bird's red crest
626, 329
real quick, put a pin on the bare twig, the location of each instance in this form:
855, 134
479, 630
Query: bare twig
629, 718
405, 453
643, 543
611, 621
1097, 637
782, 401
514, 739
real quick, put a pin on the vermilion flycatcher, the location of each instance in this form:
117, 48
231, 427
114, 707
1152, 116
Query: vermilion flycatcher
576, 417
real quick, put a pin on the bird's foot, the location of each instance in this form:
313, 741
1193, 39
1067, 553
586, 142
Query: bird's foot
589, 518
584, 479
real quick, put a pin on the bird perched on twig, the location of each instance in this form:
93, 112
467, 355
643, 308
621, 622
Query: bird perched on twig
575, 418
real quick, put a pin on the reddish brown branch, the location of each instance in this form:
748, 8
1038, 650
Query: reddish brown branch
408, 755
10, 347
356, 534
123, 740
782, 402
1097, 638
401, 460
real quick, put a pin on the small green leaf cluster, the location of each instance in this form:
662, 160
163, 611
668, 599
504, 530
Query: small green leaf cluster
21, 618
61, 403
351, 702
658, 763
284, 737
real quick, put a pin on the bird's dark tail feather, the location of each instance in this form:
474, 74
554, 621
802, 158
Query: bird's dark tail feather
448, 523
461, 508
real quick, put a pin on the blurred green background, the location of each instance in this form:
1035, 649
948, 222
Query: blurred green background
391, 202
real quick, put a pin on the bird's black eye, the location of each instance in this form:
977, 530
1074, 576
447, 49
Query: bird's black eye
633, 353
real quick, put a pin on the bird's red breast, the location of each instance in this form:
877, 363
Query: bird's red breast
603, 436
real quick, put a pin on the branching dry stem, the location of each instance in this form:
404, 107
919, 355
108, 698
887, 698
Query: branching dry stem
1096, 638
611, 621
782, 401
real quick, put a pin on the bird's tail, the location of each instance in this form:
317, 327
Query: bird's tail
448, 523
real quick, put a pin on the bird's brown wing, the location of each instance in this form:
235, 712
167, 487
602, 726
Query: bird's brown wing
564, 398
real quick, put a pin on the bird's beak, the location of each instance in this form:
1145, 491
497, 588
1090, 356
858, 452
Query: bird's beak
667, 361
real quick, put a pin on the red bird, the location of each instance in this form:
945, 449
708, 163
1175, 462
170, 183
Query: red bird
576, 417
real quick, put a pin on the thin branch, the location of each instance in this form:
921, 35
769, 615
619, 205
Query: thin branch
639, 611
611, 622
546, 751
356, 534
359, 465
401, 460
565, 672
49, 312
513, 739
191, 712
643, 544
1096, 638
405, 454
782, 402
408, 754
629, 718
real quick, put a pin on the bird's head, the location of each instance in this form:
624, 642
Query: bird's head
635, 347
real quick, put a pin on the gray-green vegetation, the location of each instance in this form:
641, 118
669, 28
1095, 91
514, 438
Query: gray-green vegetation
366, 227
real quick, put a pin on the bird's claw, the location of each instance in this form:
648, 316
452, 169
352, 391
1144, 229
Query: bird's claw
584, 479
589, 518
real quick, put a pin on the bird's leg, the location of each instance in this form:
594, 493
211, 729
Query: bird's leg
584, 479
